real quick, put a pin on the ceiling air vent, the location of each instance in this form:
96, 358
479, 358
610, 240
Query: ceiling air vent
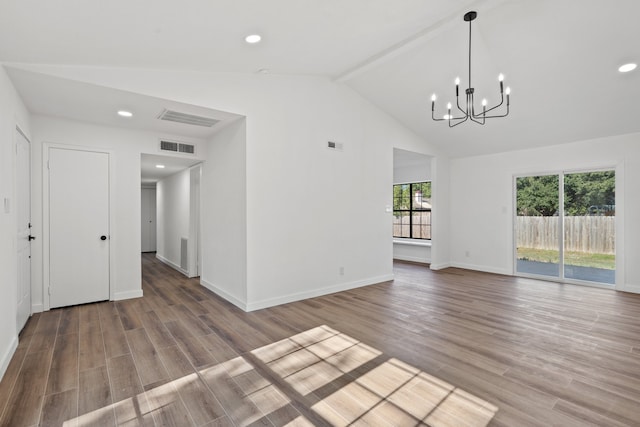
188, 119
177, 147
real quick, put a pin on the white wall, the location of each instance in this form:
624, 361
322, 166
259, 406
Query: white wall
409, 168
224, 215
126, 146
12, 113
482, 201
289, 171
173, 216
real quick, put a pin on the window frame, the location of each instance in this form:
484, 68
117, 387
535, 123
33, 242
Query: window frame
411, 211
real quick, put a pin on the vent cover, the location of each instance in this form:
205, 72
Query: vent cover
334, 145
177, 147
188, 119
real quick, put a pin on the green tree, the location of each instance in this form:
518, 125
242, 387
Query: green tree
537, 195
585, 193
589, 192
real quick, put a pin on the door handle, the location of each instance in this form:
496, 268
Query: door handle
32, 237
103, 237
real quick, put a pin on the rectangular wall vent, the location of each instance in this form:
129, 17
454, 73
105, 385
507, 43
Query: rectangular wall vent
334, 145
184, 248
177, 147
186, 148
169, 146
188, 119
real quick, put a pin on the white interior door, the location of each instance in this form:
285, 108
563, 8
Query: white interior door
23, 215
148, 219
78, 226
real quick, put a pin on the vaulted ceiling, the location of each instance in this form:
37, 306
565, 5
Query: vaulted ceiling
560, 57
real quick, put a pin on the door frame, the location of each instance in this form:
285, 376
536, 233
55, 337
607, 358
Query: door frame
618, 168
46, 146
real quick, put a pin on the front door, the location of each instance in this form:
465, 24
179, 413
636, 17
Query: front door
23, 214
78, 226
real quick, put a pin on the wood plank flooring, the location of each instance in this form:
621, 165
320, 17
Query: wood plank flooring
449, 348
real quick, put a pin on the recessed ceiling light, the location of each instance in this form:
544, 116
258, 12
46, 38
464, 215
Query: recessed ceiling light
160, 166
253, 38
627, 67
124, 113
264, 71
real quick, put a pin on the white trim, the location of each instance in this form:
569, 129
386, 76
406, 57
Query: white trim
483, 268
270, 302
635, 289
172, 264
46, 146
37, 308
118, 296
6, 357
440, 266
412, 259
224, 294
412, 242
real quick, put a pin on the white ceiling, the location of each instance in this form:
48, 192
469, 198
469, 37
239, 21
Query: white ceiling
559, 56
53, 96
149, 173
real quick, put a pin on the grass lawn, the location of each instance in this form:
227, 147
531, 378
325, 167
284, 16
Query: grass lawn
581, 259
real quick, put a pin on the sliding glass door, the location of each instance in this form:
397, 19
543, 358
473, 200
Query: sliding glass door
565, 226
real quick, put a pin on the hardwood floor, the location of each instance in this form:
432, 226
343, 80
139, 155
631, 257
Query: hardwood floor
449, 348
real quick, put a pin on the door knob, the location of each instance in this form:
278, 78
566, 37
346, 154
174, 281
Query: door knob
32, 237
103, 237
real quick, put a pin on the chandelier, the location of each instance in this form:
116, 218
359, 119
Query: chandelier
469, 112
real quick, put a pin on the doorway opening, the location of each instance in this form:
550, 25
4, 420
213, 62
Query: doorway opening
412, 203
170, 211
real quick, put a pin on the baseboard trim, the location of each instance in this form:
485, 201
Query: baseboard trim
224, 294
634, 289
37, 308
440, 266
482, 268
412, 259
285, 299
172, 264
6, 357
119, 296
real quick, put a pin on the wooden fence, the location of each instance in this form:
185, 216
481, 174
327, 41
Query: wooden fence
421, 225
591, 234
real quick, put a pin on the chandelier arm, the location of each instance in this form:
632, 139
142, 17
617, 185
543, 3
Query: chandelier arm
476, 120
500, 115
434, 117
461, 110
484, 113
459, 123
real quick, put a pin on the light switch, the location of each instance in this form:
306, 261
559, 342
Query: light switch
7, 205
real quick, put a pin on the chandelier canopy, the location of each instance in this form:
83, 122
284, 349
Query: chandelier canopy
469, 112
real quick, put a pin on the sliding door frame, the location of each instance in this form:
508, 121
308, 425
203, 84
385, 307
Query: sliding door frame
619, 225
